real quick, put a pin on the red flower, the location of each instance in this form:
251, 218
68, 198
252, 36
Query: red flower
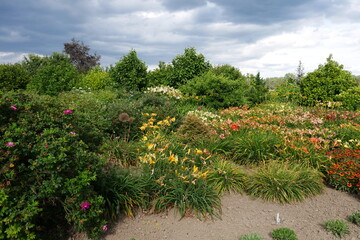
234, 127
349, 185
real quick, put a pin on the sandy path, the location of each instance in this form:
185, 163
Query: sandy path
242, 215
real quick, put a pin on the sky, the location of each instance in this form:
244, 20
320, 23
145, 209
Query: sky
266, 36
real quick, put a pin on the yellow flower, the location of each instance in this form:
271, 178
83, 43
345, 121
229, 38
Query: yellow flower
11, 165
152, 162
150, 146
145, 138
154, 114
145, 114
173, 158
195, 169
198, 151
173, 119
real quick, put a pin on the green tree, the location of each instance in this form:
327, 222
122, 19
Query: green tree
187, 66
258, 89
160, 75
325, 83
32, 63
56, 74
13, 76
130, 72
96, 79
80, 57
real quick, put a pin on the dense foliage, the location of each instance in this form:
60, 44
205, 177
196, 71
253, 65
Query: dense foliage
80, 57
325, 83
56, 74
88, 148
130, 72
13, 76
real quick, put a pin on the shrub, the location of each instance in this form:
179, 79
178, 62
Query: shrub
226, 176
350, 98
283, 234
337, 227
193, 129
251, 236
255, 146
46, 164
130, 72
343, 172
13, 76
284, 182
325, 83
122, 192
355, 218
96, 79
288, 92
55, 75
186, 67
216, 91
257, 92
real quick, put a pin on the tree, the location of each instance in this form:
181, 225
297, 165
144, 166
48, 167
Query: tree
130, 72
187, 66
56, 74
160, 75
299, 72
258, 89
13, 76
325, 83
80, 57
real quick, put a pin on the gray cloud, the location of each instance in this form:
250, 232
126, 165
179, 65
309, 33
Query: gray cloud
244, 33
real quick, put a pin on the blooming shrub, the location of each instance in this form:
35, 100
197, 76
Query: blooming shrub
45, 166
166, 90
343, 172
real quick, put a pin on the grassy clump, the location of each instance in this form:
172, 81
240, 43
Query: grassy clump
284, 182
339, 228
355, 218
226, 176
251, 236
283, 234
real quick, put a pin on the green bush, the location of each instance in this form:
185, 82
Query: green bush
55, 75
216, 91
96, 79
130, 72
187, 66
284, 182
257, 91
122, 192
283, 234
355, 218
226, 176
325, 83
350, 98
46, 164
251, 236
13, 76
193, 129
254, 146
337, 227
288, 92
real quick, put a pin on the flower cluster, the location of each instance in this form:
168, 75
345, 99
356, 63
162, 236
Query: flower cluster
343, 173
207, 117
166, 90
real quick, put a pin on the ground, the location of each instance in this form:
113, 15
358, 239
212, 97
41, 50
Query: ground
242, 215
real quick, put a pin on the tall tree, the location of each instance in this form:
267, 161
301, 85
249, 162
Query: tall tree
130, 72
80, 56
299, 72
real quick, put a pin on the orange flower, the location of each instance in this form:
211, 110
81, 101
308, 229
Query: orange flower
349, 185
341, 174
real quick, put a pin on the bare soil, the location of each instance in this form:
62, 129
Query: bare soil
243, 215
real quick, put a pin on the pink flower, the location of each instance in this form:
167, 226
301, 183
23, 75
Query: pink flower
68, 111
85, 205
13, 107
105, 228
73, 133
10, 144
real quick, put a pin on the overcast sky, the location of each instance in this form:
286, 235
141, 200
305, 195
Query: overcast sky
269, 36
